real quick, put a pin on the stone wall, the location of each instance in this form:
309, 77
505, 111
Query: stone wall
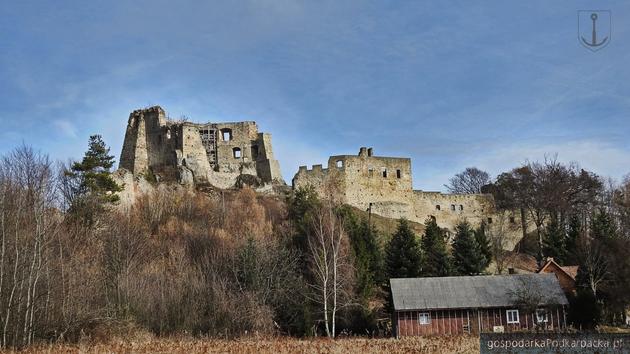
385, 183
216, 153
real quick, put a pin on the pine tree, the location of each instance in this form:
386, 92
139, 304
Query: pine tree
484, 244
603, 226
368, 255
95, 186
467, 256
403, 255
553, 241
435, 261
572, 240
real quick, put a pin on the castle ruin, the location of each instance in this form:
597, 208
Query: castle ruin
220, 154
384, 184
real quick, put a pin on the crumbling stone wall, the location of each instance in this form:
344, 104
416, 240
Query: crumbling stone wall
216, 153
385, 183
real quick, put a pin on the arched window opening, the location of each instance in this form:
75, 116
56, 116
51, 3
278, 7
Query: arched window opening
237, 153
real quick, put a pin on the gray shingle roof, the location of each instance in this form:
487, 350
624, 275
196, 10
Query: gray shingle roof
475, 291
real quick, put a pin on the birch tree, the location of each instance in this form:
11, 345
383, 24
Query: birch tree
329, 265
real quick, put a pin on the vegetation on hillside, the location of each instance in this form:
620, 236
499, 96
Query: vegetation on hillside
179, 261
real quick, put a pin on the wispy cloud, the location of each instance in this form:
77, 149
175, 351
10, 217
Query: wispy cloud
65, 127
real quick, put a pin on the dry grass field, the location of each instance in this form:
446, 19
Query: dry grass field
458, 344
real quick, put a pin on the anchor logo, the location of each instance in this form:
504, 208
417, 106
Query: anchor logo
600, 23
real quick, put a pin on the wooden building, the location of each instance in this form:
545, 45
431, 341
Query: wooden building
474, 304
565, 274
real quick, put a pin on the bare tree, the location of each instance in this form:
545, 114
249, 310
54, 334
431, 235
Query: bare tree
594, 260
469, 181
498, 236
329, 264
28, 224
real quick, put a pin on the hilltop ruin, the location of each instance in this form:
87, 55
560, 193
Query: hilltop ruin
223, 155
384, 185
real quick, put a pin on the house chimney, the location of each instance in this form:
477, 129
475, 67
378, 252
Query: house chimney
362, 151
370, 152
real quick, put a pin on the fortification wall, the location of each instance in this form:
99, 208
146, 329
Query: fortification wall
385, 183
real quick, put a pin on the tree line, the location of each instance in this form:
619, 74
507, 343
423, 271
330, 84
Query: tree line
74, 263
575, 217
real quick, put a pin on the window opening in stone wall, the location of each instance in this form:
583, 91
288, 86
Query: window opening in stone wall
453, 207
512, 220
461, 207
339, 164
209, 142
226, 134
489, 220
237, 153
398, 174
254, 152
384, 173
437, 207
370, 172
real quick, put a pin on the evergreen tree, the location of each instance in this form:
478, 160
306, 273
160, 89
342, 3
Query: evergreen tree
95, 186
435, 261
367, 252
484, 244
572, 240
403, 255
301, 204
603, 226
369, 271
553, 241
467, 256
585, 311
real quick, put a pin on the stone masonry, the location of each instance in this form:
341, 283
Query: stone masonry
385, 184
220, 154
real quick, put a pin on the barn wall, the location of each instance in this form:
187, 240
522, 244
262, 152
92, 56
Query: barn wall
461, 321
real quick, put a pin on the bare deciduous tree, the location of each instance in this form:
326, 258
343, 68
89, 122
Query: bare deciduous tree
469, 181
329, 264
498, 236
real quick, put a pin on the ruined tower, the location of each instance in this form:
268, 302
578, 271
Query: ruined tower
221, 154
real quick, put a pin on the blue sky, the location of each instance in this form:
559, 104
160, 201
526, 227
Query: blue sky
449, 84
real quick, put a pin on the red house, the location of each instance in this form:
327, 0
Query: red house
475, 304
566, 275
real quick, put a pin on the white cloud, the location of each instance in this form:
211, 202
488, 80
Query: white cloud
67, 128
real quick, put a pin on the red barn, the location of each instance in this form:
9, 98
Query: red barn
474, 304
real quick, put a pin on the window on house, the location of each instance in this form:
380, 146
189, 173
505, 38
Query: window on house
339, 164
512, 316
453, 207
489, 220
237, 153
398, 174
437, 207
424, 318
541, 316
226, 134
512, 220
384, 173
